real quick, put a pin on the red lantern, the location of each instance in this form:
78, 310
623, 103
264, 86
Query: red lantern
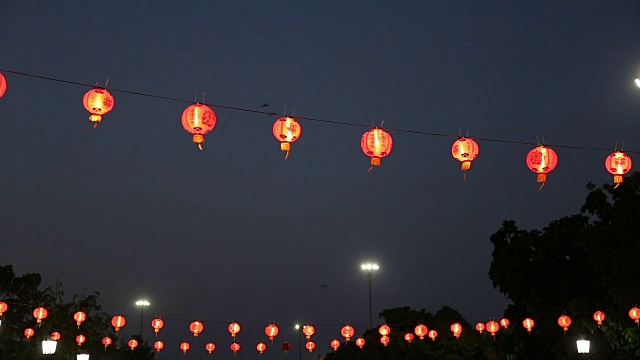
106, 341
564, 321
133, 343
480, 327
456, 329
310, 346
360, 342
308, 331
493, 327
335, 344
286, 130
384, 339
433, 335
235, 347
199, 120
408, 337
376, 143
3, 89
80, 339
504, 322
465, 150
185, 346
118, 322
55, 336
261, 347
384, 330
234, 329
618, 164
634, 314
79, 317
421, 331
158, 345
28, 332
40, 313
599, 317
196, 328
97, 102
210, 347
271, 331
347, 331
542, 160
528, 324
3, 307
286, 347
157, 324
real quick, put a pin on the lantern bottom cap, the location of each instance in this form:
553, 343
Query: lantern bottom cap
542, 177
375, 161
285, 146
617, 179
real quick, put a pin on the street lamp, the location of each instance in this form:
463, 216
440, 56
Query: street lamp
583, 346
142, 304
82, 357
49, 347
299, 330
370, 269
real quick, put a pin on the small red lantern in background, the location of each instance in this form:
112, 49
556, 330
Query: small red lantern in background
3, 307
235, 347
564, 321
261, 347
433, 335
528, 324
308, 331
347, 331
384, 330
465, 150
504, 322
599, 317
210, 347
97, 102
408, 337
421, 331
384, 339
118, 322
185, 346
80, 339
198, 120
286, 130
480, 327
360, 342
158, 345
493, 327
634, 314
376, 143
542, 160
196, 328
28, 332
335, 344
234, 329
79, 317
618, 164
55, 336
3, 89
456, 329
106, 341
271, 331
157, 324
40, 313
286, 347
133, 343
310, 345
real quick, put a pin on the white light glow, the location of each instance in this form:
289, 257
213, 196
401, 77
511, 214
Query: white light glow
369, 267
82, 357
49, 347
583, 346
638, 82
297, 326
142, 303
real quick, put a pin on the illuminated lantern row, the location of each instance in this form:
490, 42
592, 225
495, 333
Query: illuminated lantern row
3, 307
97, 102
286, 130
80, 339
465, 150
599, 317
185, 346
480, 327
261, 347
118, 322
28, 332
196, 328
133, 343
55, 336
528, 324
235, 347
433, 335
456, 329
234, 329
347, 332
335, 344
198, 120
271, 331
376, 143
421, 331
3, 85
210, 347
157, 324
40, 313
158, 345
106, 341
542, 160
618, 164
308, 331
564, 321
79, 317
360, 342
310, 345
493, 327
634, 314
408, 337
504, 323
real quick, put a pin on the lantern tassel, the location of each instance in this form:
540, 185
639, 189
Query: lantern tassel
371, 168
200, 147
95, 124
541, 186
464, 177
617, 184
286, 156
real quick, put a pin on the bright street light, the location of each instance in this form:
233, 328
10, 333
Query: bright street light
583, 346
370, 268
142, 303
638, 82
82, 357
49, 347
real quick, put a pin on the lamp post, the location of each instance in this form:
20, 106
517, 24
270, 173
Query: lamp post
142, 304
49, 347
583, 346
370, 269
299, 330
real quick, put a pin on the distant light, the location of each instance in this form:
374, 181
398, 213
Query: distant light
638, 82
297, 326
369, 267
82, 357
142, 303
583, 346
49, 347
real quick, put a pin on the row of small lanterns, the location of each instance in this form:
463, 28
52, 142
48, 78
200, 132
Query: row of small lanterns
199, 119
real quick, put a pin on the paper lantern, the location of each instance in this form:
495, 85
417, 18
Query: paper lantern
528, 324
360, 342
308, 331
40, 313
347, 331
261, 347
158, 345
55, 336
421, 331
133, 343
618, 164
3, 90
564, 321
504, 323
542, 160
28, 332
376, 143
433, 335
286, 130
456, 329
157, 324
196, 328
634, 314
599, 317
234, 329
210, 347
97, 102
80, 339
408, 337
271, 331
286, 347
79, 317
3, 307
493, 327
310, 345
465, 150
106, 341
185, 346
480, 327
118, 322
384, 339
235, 347
198, 120
335, 344
384, 330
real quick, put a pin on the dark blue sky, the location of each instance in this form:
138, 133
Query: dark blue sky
235, 232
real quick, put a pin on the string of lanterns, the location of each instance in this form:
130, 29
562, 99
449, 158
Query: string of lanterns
199, 119
272, 330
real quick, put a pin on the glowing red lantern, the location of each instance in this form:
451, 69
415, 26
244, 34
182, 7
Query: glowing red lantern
384, 330
542, 160
210, 347
196, 328
55, 336
199, 120
133, 343
599, 317
308, 331
286, 347
3, 89
185, 346
261, 347
335, 344
504, 322
465, 150
480, 327
157, 324
118, 322
433, 335
493, 327
234, 329
376, 143
271, 331
80, 339
347, 331
28, 332
79, 317
408, 337
310, 345
384, 339
106, 341
286, 130
40, 313
634, 314
618, 164
235, 347
421, 331
528, 324
158, 345
97, 102
360, 342
3, 307
564, 321
456, 329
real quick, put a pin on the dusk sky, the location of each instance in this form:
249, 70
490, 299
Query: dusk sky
236, 233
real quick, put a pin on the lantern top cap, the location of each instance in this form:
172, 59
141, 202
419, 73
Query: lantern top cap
369, 267
142, 302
